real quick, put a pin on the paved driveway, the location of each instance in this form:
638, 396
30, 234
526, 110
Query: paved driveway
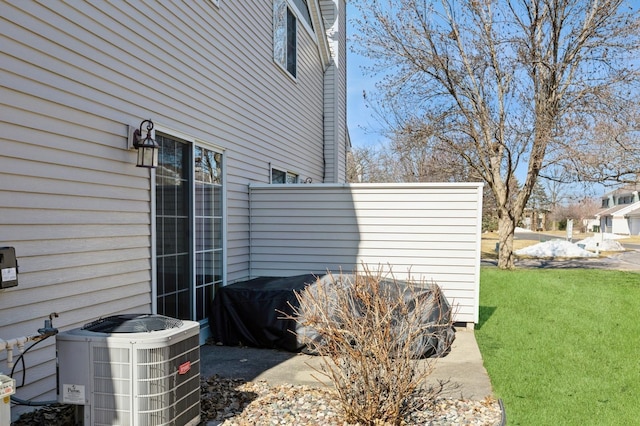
623, 261
628, 260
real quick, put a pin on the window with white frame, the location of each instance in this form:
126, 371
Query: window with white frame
303, 11
284, 36
280, 176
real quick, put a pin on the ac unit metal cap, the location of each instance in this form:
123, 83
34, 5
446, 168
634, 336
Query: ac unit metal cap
132, 323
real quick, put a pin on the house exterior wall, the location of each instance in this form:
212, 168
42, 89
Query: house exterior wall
619, 219
634, 225
335, 87
426, 231
619, 225
73, 77
617, 206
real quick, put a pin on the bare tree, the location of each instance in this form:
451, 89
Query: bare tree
413, 161
368, 164
510, 85
580, 211
417, 161
408, 159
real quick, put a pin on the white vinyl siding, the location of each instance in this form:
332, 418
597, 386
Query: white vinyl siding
427, 231
73, 76
634, 222
185, 76
335, 87
79, 221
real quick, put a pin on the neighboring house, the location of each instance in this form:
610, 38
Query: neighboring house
621, 211
239, 92
591, 224
535, 219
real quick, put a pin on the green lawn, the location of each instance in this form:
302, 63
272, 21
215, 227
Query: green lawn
562, 347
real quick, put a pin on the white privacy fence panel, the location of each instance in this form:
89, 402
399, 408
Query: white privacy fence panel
427, 232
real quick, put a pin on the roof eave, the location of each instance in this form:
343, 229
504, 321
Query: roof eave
321, 33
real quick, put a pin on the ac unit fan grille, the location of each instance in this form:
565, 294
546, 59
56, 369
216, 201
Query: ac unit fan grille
132, 323
112, 386
163, 393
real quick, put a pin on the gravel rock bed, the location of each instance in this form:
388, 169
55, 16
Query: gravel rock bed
233, 402
49, 415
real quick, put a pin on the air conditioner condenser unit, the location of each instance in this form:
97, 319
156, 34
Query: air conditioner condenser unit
131, 370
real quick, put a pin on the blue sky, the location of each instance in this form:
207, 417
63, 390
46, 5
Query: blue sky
359, 117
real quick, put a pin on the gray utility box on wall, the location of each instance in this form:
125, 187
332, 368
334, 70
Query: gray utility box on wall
136, 369
8, 267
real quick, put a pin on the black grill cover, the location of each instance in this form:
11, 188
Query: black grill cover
248, 312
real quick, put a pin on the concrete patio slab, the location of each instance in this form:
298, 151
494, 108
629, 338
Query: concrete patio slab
462, 367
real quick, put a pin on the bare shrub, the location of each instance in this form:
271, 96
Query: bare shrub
370, 331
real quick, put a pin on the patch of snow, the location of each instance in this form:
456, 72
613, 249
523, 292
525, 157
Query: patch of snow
595, 243
555, 248
609, 236
518, 229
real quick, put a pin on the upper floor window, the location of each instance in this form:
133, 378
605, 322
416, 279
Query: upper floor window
284, 36
303, 11
625, 200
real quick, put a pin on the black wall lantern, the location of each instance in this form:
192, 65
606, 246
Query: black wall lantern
147, 147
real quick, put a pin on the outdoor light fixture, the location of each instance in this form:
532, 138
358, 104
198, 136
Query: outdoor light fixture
147, 147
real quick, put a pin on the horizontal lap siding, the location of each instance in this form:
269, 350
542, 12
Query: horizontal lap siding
73, 76
207, 71
345, 144
190, 66
77, 213
426, 231
73, 206
334, 15
83, 250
